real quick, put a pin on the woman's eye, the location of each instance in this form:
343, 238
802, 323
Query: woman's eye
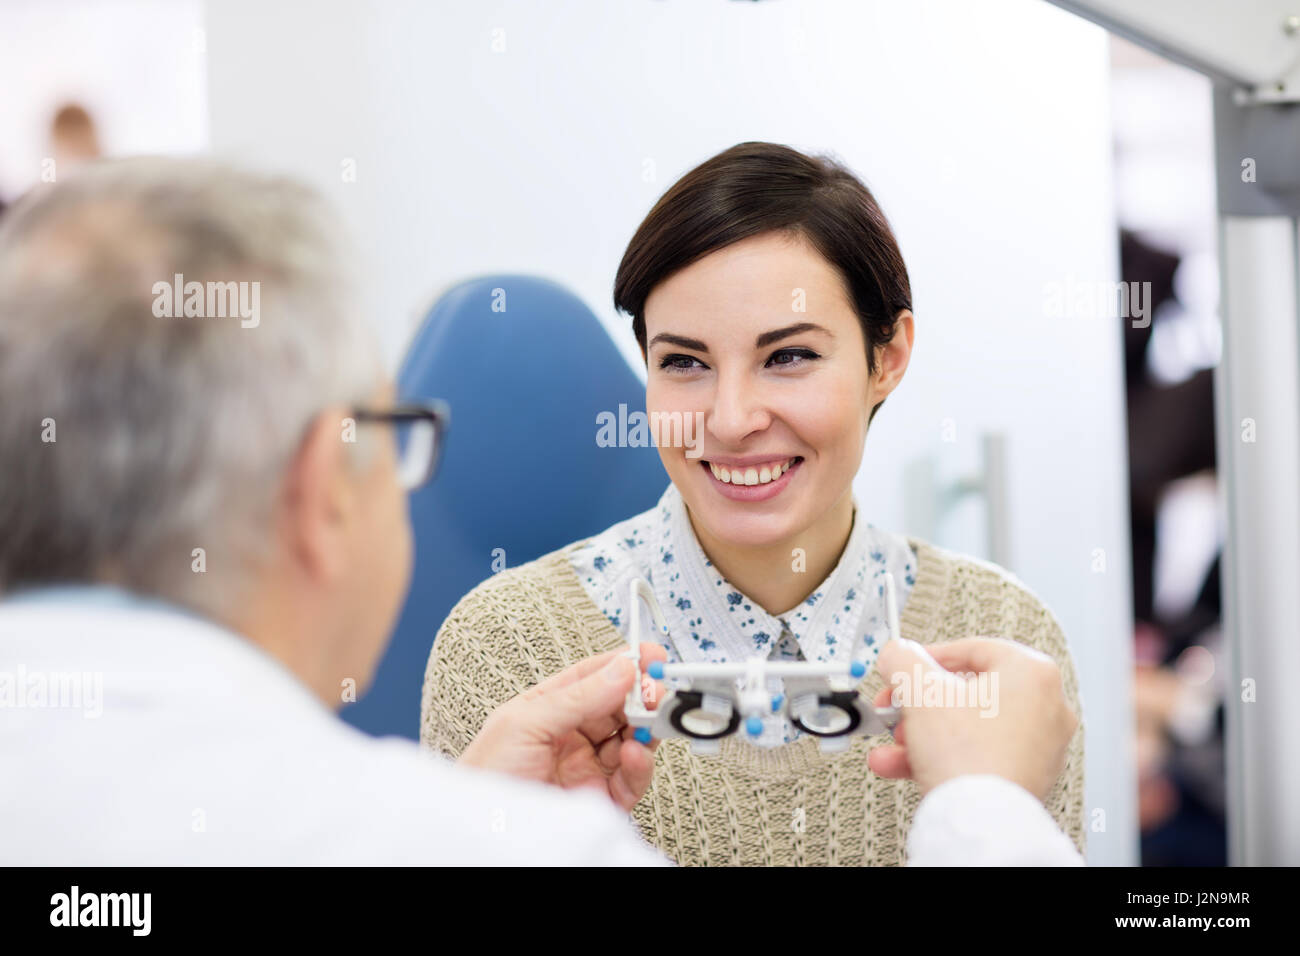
789, 357
680, 363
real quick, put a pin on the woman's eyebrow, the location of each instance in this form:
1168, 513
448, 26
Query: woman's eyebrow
680, 341
776, 335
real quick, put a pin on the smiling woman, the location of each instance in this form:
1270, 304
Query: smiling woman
771, 302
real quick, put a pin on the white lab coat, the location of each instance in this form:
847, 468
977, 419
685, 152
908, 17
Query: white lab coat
133, 734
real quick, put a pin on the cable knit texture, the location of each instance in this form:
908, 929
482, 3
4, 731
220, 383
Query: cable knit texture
747, 806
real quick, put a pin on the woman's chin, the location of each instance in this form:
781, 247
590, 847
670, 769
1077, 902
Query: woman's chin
738, 526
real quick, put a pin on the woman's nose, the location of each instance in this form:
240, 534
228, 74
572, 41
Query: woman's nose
738, 410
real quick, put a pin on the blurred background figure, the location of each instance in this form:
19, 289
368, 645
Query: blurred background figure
85, 79
1165, 197
74, 139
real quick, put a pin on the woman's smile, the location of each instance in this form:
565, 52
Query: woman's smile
751, 479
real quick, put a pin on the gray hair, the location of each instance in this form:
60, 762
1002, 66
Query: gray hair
127, 440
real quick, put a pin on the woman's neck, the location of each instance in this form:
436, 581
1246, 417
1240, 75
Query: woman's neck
781, 575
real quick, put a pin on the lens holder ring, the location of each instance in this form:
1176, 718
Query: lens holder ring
845, 700
689, 700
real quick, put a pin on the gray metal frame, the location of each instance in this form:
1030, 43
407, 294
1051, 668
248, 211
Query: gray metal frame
1257, 407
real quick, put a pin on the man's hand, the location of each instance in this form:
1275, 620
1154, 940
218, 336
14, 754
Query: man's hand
570, 730
1023, 738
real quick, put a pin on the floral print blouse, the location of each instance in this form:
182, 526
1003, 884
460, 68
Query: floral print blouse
843, 618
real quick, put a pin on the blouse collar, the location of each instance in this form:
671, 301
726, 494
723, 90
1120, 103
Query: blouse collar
709, 620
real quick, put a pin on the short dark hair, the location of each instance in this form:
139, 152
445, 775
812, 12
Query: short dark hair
753, 188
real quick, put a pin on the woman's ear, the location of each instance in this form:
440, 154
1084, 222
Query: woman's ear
892, 357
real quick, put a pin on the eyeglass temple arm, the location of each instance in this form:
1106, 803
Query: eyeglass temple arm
635, 709
890, 716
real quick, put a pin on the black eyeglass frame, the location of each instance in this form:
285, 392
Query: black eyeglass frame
435, 411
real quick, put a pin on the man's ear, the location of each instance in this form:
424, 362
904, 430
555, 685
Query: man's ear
320, 495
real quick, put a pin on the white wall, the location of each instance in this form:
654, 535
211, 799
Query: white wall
982, 128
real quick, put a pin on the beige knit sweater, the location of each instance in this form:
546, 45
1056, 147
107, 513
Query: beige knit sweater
788, 805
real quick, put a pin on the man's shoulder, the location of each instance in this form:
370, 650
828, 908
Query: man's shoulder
447, 814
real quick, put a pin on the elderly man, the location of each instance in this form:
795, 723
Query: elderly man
204, 544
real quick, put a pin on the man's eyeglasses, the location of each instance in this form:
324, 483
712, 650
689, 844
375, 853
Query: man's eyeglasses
420, 429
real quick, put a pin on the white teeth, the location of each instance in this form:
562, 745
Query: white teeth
758, 475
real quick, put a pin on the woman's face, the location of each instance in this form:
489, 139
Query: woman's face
759, 337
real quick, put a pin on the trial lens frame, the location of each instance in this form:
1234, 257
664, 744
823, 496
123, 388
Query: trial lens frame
707, 702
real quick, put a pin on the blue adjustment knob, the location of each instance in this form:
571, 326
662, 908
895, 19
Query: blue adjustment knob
754, 726
656, 670
642, 735
858, 669
777, 701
